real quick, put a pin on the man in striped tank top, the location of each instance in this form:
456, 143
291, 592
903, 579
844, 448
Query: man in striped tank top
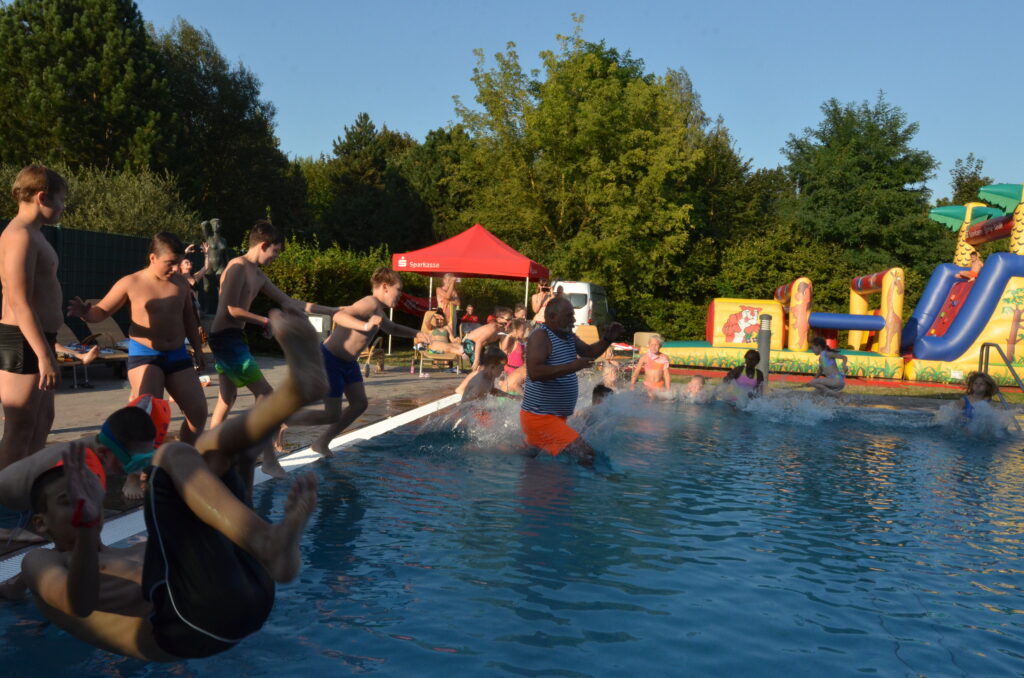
553, 357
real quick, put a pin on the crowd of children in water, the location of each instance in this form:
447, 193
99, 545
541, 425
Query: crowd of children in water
501, 372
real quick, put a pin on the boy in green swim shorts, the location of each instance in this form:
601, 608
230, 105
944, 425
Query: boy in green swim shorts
242, 280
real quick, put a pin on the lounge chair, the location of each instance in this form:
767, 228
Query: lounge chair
67, 338
106, 333
423, 354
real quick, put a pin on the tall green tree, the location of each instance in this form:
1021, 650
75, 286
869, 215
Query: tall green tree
368, 201
966, 180
861, 185
81, 86
431, 168
581, 166
227, 158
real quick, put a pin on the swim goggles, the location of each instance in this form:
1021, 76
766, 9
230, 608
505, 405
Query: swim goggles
132, 463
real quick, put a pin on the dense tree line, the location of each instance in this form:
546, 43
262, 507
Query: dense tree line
591, 165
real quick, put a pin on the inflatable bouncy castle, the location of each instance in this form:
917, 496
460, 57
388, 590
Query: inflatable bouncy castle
942, 340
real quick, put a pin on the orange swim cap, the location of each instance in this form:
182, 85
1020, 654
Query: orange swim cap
93, 463
159, 410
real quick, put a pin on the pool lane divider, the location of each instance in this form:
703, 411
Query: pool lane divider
132, 523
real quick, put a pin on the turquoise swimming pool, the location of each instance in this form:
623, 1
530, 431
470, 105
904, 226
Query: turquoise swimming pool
796, 539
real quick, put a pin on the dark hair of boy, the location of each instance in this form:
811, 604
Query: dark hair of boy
35, 178
492, 356
37, 495
265, 232
384, 275
132, 426
166, 242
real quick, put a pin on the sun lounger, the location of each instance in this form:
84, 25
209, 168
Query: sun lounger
106, 333
67, 338
422, 354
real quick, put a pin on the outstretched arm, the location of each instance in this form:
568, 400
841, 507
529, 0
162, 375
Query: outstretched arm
105, 307
537, 351
284, 301
397, 330
595, 350
16, 480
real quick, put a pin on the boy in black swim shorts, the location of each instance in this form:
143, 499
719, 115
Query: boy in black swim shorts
208, 569
31, 314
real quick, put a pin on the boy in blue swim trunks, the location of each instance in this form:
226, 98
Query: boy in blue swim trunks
355, 327
161, 320
242, 280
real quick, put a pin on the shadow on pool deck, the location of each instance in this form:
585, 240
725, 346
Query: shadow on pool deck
80, 413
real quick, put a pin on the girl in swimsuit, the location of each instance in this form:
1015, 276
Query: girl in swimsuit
830, 378
514, 346
441, 340
654, 365
746, 376
980, 388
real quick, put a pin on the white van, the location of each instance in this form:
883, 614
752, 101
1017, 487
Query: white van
589, 302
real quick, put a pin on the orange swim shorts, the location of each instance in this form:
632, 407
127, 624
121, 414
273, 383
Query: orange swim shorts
547, 431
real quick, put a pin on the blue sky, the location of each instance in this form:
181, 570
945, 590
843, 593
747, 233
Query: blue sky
765, 67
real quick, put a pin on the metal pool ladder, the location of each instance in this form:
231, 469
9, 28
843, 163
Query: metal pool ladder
983, 357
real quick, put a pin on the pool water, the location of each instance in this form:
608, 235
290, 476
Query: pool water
794, 538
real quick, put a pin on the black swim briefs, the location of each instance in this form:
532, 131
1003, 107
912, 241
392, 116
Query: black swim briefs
207, 593
15, 353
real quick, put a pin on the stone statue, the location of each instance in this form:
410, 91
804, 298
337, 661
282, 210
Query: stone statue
217, 252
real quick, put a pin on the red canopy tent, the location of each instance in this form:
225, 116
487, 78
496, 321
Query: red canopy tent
474, 253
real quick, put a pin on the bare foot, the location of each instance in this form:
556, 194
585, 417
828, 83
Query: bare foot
282, 558
279, 439
322, 448
271, 466
300, 344
89, 355
133, 487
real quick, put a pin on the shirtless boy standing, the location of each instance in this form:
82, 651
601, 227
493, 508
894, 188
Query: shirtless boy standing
162, 318
354, 328
242, 280
204, 579
31, 313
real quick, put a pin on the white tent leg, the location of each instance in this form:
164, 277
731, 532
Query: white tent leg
526, 297
391, 317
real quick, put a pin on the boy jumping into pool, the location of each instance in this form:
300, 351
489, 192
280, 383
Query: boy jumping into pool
242, 280
204, 580
354, 329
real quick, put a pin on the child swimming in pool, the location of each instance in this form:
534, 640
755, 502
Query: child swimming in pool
747, 377
696, 391
479, 383
980, 388
830, 379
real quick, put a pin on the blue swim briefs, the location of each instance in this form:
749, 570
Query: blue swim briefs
340, 373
